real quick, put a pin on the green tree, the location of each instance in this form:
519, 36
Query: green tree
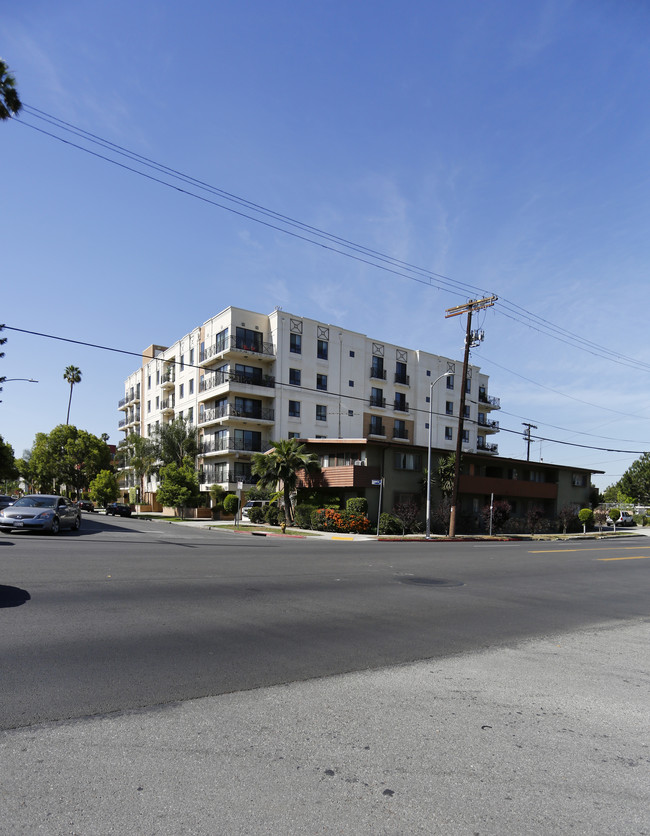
139, 455
8, 468
176, 441
635, 482
231, 504
73, 375
104, 488
444, 477
67, 456
10, 104
278, 469
586, 517
179, 485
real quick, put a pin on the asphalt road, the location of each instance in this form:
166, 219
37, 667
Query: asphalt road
130, 614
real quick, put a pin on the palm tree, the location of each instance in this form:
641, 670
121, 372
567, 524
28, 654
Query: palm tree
10, 103
73, 375
279, 468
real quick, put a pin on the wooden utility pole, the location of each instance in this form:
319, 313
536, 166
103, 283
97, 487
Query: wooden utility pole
469, 308
529, 427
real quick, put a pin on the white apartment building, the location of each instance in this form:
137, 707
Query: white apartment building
247, 378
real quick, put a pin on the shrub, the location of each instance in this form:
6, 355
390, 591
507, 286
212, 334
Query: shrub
357, 504
272, 515
256, 514
231, 504
302, 515
388, 524
500, 514
331, 519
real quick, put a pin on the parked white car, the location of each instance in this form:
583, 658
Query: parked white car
253, 503
625, 519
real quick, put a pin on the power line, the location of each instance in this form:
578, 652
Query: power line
314, 235
292, 387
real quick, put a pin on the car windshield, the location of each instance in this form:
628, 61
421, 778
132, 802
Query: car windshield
36, 502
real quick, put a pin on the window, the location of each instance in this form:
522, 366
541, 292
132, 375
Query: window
321, 412
148, 430
191, 356
294, 377
578, 480
466, 436
400, 373
450, 381
352, 354
376, 427
157, 402
181, 390
248, 440
248, 340
248, 407
400, 402
377, 368
399, 429
180, 414
148, 406
351, 383
408, 461
449, 434
149, 382
377, 397
157, 377
450, 407
321, 382
182, 362
221, 341
295, 343
248, 374
428, 372
322, 349
468, 385
294, 409
190, 415
192, 386
466, 412
293, 435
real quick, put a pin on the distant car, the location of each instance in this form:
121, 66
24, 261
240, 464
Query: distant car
85, 505
119, 509
625, 519
40, 512
5, 500
253, 503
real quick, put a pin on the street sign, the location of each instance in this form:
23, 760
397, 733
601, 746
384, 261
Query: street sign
376, 482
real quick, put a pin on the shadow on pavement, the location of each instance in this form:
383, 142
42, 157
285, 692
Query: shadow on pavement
12, 596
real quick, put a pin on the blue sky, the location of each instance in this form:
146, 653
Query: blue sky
500, 144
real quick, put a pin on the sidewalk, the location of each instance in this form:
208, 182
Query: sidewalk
544, 737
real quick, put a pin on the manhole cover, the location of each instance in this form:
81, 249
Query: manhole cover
431, 582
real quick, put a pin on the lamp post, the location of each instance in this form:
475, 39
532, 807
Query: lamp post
27, 379
431, 385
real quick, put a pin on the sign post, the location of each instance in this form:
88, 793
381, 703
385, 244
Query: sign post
240, 488
380, 484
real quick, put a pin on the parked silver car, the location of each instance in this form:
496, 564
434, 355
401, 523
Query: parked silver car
40, 512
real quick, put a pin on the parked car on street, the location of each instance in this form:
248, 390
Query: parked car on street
85, 505
5, 500
119, 509
40, 512
625, 519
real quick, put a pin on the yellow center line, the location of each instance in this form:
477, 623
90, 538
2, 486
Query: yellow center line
636, 557
592, 549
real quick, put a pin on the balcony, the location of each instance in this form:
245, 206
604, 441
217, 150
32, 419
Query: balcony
216, 379
377, 403
122, 423
401, 406
168, 405
488, 400
223, 445
377, 374
168, 378
121, 404
402, 435
488, 425
402, 379
377, 429
483, 447
262, 350
228, 410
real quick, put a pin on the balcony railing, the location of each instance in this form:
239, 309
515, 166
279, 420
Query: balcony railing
168, 404
403, 379
488, 424
237, 344
121, 423
230, 411
122, 402
401, 406
221, 378
403, 434
209, 476
488, 399
377, 429
377, 402
481, 444
378, 374
220, 444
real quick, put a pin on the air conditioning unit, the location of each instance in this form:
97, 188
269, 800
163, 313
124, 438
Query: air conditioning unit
358, 463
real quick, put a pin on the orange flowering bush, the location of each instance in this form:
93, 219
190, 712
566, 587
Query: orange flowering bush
332, 519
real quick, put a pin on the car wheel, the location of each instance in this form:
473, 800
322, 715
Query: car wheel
77, 524
55, 528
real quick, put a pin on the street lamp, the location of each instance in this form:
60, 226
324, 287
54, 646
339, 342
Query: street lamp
27, 379
431, 385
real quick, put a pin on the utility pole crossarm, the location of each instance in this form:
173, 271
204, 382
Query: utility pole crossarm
471, 306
